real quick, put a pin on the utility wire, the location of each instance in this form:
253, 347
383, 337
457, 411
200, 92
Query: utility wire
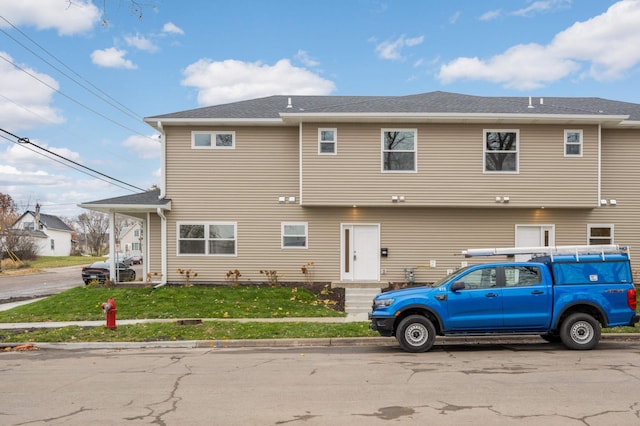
22, 141
110, 100
75, 101
65, 164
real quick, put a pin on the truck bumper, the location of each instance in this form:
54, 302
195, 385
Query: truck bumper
383, 325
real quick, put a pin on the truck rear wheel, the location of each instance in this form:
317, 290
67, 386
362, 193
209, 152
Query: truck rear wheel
580, 332
416, 333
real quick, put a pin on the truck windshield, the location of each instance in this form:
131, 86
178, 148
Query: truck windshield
448, 277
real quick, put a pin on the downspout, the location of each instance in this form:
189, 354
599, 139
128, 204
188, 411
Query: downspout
599, 164
163, 164
163, 248
300, 164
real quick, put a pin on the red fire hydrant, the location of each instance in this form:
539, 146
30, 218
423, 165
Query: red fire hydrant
110, 310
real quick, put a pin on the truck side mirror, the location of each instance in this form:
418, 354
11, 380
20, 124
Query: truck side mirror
458, 285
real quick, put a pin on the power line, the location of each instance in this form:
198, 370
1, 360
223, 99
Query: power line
74, 100
21, 141
110, 100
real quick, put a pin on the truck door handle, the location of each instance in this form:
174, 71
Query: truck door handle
490, 295
537, 292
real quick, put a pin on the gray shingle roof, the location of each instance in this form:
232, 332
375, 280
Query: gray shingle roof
147, 198
431, 102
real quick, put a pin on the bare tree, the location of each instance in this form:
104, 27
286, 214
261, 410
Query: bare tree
500, 151
94, 226
8, 211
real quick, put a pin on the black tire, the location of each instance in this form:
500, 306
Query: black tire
580, 332
551, 337
416, 333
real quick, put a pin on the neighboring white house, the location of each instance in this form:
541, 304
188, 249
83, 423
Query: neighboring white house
131, 239
51, 235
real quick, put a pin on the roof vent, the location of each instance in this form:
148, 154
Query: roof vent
530, 104
289, 103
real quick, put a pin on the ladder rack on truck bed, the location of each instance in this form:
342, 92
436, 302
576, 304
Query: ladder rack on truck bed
551, 251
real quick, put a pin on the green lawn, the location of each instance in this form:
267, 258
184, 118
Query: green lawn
208, 330
83, 304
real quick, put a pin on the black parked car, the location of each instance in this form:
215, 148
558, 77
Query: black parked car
100, 271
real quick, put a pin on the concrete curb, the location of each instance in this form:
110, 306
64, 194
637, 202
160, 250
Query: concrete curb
302, 343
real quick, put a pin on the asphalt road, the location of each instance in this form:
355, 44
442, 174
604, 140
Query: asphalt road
524, 384
45, 283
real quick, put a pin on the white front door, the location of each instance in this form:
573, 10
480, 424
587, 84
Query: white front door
533, 236
360, 252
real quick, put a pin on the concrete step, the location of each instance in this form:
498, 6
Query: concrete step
358, 300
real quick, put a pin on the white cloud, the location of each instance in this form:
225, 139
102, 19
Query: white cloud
233, 80
171, 28
392, 50
67, 17
141, 43
490, 15
606, 43
112, 57
454, 18
306, 60
541, 6
145, 147
24, 101
30, 159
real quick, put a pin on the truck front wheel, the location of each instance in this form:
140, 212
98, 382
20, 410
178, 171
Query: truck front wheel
416, 333
580, 332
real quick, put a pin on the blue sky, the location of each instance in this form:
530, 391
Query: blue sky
76, 77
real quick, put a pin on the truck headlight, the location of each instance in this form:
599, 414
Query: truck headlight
382, 303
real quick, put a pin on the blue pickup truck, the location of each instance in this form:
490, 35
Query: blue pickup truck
564, 294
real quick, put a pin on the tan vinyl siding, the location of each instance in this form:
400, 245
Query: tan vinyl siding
620, 181
243, 186
450, 168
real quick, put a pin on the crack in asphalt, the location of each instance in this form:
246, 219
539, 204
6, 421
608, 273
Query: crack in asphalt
396, 412
171, 398
298, 418
52, 419
391, 413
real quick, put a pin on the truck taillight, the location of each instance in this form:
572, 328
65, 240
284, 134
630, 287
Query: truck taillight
631, 299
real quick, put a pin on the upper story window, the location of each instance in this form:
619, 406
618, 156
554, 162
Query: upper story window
399, 150
573, 143
294, 235
215, 140
600, 234
501, 151
209, 239
327, 141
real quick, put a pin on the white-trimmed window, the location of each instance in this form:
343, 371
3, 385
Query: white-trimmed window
213, 140
399, 150
501, 151
573, 143
600, 234
207, 239
327, 141
294, 235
